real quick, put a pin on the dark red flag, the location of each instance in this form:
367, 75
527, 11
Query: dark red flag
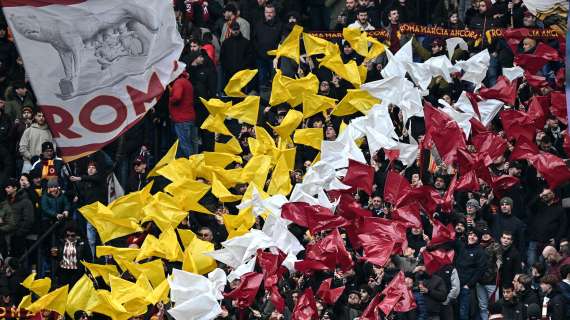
504, 90
396, 292
359, 175
444, 132
441, 233
306, 307
408, 214
396, 187
327, 294
558, 106
517, 124
245, 293
538, 110
552, 168
530, 62
434, 260
535, 82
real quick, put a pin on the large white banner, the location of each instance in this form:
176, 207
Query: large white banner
96, 66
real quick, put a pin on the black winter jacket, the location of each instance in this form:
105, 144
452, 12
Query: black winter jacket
470, 262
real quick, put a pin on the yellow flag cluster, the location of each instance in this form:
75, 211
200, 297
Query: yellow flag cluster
271, 159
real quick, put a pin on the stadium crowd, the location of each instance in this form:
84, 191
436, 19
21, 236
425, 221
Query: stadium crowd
509, 243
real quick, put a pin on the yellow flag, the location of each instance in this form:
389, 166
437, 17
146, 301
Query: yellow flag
280, 179
290, 47
333, 62
357, 39
25, 302
194, 259
110, 307
164, 211
101, 270
314, 103
355, 100
257, 169
215, 123
238, 81
153, 270
239, 224
308, 84
215, 106
39, 287
363, 71
123, 291
266, 143
279, 93
232, 146
315, 45
221, 160
108, 226
186, 236
311, 137
131, 204
221, 192
377, 49
170, 246
81, 297
178, 169
188, 193
246, 110
289, 123
169, 156
160, 293
125, 253
53, 301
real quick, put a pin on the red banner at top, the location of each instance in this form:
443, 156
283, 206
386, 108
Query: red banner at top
38, 3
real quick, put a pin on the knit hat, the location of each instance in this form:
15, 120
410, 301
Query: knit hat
473, 203
53, 183
47, 146
506, 200
28, 108
12, 183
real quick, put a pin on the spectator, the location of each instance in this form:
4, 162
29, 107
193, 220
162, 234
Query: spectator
183, 115
362, 21
137, 178
483, 19
26, 120
266, 36
347, 16
375, 11
17, 98
549, 223
433, 291
69, 253
23, 213
454, 22
231, 15
407, 11
554, 260
564, 286
91, 187
487, 285
470, 262
48, 166
505, 220
54, 204
33, 141
553, 304
392, 28
509, 304
236, 53
524, 293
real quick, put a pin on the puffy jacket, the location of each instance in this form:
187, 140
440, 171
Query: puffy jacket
436, 295
547, 222
52, 206
23, 210
181, 103
32, 139
8, 224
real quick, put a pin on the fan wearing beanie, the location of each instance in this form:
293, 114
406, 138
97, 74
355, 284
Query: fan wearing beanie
48, 166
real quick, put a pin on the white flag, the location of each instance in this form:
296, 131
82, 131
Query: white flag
96, 66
